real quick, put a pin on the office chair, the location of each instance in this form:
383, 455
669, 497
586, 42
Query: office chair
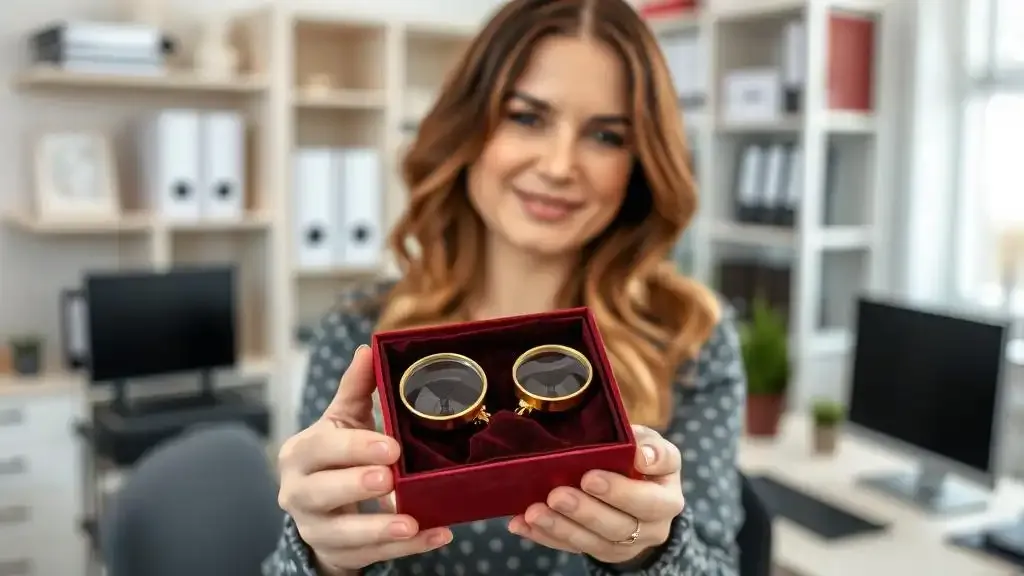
754, 539
202, 504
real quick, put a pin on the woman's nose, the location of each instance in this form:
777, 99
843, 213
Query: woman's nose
558, 160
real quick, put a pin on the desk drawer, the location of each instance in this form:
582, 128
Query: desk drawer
50, 555
39, 463
33, 420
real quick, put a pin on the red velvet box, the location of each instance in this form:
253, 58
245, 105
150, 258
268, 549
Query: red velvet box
500, 468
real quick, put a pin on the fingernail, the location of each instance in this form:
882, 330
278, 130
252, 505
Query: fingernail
381, 449
374, 480
513, 527
440, 539
566, 503
650, 454
596, 484
400, 530
544, 521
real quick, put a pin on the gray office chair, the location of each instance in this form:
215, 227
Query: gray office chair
203, 504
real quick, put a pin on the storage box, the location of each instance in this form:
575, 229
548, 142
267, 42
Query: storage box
851, 62
500, 468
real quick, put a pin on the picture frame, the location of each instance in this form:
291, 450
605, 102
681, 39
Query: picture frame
75, 176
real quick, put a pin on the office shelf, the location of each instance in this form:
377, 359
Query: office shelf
307, 78
831, 251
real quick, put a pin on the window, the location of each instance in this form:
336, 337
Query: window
1009, 36
990, 266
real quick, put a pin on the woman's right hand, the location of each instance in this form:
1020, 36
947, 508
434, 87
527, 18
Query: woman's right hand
329, 468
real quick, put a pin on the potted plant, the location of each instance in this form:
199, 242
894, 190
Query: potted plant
828, 414
764, 343
26, 355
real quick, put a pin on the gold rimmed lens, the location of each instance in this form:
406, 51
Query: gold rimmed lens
445, 391
551, 378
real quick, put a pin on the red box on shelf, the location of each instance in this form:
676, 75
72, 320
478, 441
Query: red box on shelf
667, 8
500, 468
851, 62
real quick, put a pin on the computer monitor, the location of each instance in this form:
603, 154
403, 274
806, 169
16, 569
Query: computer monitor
153, 323
928, 382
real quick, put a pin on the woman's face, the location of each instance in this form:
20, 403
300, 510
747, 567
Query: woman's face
554, 174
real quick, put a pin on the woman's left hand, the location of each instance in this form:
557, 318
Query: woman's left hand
601, 519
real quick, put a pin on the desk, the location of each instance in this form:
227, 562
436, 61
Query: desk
914, 543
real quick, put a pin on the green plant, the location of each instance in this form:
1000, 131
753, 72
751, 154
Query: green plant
764, 343
828, 412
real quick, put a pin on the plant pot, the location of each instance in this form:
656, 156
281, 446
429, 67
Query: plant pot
26, 359
763, 414
825, 438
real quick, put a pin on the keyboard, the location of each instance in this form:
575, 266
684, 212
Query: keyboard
1008, 540
825, 520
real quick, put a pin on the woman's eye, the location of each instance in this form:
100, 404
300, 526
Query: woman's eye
525, 118
610, 138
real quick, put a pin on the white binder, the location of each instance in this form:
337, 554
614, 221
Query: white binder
169, 154
222, 181
360, 241
315, 208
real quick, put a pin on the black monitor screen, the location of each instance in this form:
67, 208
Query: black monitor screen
928, 380
146, 324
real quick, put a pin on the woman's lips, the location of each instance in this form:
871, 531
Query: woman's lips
546, 208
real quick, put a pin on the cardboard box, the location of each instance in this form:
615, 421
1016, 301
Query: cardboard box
502, 467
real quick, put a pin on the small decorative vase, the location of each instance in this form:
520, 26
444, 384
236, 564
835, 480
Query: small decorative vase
215, 57
318, 84
825, 439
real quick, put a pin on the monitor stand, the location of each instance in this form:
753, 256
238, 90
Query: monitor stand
206, 397
931, 489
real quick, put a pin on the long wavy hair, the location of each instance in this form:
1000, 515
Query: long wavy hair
652, 319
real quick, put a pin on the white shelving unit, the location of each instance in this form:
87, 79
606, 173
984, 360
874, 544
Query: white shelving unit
831, 256
385, 75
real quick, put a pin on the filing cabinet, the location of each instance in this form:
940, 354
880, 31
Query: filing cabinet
40, 493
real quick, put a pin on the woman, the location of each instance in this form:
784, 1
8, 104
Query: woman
550, 173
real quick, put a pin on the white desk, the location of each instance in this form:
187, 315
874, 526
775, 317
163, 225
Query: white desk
914, 543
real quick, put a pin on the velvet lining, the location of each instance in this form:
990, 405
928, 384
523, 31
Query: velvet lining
506, 436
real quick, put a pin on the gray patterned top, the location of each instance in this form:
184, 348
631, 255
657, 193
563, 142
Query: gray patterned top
706, 425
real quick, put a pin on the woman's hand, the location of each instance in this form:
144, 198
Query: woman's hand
339, 461
600, 519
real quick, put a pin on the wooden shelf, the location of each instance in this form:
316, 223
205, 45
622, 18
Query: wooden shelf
41, 77
340, 99
338, 273
253, 222
139, 223
127, 223
752, 234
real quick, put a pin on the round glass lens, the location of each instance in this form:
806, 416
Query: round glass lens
444, 387
552, 374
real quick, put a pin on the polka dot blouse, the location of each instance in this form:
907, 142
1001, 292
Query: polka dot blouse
706, 425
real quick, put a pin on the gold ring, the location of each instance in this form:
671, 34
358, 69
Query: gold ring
445, 391
551, 378
632, 537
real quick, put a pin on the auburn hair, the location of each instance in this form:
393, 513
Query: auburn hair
652, 318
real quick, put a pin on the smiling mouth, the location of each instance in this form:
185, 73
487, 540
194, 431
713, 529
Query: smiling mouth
546, 208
